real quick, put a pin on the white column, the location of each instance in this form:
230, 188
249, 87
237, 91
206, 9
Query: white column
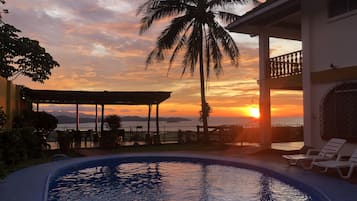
264, 92
306, 75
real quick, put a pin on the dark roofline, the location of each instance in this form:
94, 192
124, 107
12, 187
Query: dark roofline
260, 9
95, 97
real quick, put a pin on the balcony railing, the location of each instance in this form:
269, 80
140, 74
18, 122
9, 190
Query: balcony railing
286, 65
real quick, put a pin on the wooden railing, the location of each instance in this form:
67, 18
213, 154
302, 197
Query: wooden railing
286, 65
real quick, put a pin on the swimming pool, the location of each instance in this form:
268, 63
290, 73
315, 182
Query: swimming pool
173, 178
32, 184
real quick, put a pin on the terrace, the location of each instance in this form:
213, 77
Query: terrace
285, 71
286, 65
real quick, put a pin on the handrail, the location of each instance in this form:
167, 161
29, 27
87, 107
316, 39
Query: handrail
286, 65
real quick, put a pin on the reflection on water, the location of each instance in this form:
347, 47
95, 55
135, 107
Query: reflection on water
173, 181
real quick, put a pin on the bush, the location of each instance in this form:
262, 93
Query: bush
113, 121
42, 121
45, 121
19, 144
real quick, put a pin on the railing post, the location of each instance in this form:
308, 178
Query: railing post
286, 65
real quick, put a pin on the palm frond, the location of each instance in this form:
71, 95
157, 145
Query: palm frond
171, 34
179, 45
216, 53
222, 3
192, 50
228, 17
159, 12
226, 41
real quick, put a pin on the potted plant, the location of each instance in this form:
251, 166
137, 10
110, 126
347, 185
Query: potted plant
44, 124
109, 139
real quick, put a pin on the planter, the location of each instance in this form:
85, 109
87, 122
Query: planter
108, 139
64, 141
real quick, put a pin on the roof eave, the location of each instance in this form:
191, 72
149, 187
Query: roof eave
251, 22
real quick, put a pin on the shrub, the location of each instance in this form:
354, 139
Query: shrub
45, 121
113, 121
109, 139
19, 144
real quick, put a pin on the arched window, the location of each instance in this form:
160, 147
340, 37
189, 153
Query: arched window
339, 113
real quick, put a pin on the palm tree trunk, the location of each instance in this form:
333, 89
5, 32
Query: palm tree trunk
203, 96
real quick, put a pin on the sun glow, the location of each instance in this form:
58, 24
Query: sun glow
254, 112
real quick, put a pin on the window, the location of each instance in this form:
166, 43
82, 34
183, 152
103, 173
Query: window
339, 7
339, 113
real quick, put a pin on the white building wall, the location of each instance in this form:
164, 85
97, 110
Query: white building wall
333, 40
326, 41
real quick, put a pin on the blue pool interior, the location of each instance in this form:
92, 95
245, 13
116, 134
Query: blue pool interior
175, 178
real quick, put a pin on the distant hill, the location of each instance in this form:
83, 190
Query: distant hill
69, 118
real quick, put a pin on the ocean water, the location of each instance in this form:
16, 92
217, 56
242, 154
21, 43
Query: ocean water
188, 125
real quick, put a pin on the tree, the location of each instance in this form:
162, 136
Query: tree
114, 122
23, 56
195, 30
44, 122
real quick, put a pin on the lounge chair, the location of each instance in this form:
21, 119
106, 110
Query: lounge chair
338, 164
328, 152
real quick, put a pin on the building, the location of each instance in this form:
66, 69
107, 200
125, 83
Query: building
325, 69
11, 100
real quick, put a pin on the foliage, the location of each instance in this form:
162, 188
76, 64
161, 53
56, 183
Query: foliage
208, 111
47, 156
114, 121
19, 144
195, 31
23, 56
3, 117
45, 121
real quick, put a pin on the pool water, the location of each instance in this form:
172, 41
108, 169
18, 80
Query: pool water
171, 181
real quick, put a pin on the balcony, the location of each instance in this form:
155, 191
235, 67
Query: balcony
286, 65
286, 71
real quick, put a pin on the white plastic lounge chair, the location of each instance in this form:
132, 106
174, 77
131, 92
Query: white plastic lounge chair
328, 152
338, 164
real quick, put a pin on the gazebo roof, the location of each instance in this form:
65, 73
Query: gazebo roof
96, 97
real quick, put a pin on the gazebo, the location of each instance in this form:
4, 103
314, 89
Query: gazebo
96, 98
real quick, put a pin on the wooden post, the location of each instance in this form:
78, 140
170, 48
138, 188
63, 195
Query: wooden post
77, 117
102, 122
264, 92
157, 125
147, 137
96, 118
149, 119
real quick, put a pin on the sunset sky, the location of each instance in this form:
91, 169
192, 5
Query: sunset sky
98, 46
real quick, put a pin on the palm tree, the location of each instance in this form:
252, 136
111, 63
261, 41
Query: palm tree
194, 29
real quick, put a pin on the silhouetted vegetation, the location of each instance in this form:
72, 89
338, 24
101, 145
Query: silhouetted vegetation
113, 121
195, 31
23, 56
109, 139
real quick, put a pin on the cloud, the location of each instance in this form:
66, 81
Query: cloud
99, 48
